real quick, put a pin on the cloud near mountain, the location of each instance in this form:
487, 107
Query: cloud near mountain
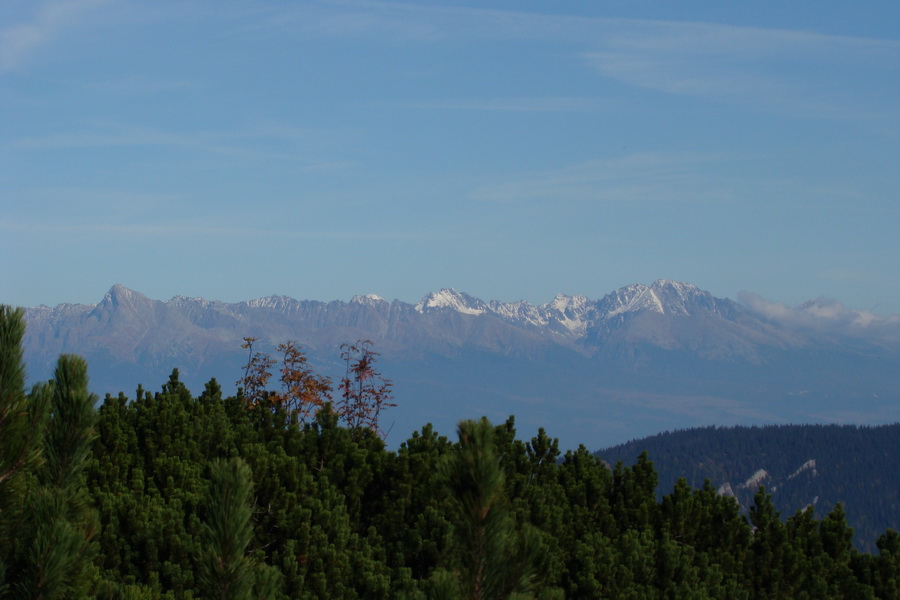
827, 316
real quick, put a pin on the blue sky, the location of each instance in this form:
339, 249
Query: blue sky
511, 150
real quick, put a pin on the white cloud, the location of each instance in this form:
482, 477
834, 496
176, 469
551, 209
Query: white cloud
19, 40
827, 317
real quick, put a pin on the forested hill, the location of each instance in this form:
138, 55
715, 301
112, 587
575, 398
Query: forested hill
799, 465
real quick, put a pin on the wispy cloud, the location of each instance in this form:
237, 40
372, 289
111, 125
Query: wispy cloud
141, 86
19, 40
828, 317
746, 66
798, 73
357, 20
200, 228
173, 229
829, 76
649, 177
523, 104
244, 143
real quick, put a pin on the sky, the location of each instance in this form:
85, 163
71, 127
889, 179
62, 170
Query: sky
510, 150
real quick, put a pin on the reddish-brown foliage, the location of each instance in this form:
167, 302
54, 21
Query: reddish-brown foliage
364, 392
303, 391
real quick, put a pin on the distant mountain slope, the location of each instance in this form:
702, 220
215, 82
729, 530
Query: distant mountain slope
642, 359
799, 465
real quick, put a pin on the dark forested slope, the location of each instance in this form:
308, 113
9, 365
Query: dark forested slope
799, 465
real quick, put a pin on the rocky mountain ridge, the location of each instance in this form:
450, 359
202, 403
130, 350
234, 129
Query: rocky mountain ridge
669, 351
572, 320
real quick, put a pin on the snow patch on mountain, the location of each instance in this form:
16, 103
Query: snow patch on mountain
367, 299
629, 299
755, 479
663, 296
188, 301
571, 312
569, 315
809, 465
679, 295
518, 312
270, 302
449, 298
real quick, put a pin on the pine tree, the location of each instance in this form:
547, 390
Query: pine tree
496, 559
886, 568
21, 414
22, 417
226, 572
769, 550
61, 523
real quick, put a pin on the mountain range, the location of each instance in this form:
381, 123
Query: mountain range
642, 359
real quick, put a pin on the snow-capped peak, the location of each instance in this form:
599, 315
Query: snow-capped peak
450, 298
569, 311
518, 312
631, 299
662, 296
564, 303
274, 302
367, 299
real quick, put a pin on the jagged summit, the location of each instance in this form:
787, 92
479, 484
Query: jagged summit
118, 293
572, 313
367, 299
273, 302
566, 304
119, 297
663, 296
450, 298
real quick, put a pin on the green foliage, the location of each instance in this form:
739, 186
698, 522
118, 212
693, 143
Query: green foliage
885, 570
225, 570
70, 430
339, 516
21, 414
495, 557
48, 522
22, 422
